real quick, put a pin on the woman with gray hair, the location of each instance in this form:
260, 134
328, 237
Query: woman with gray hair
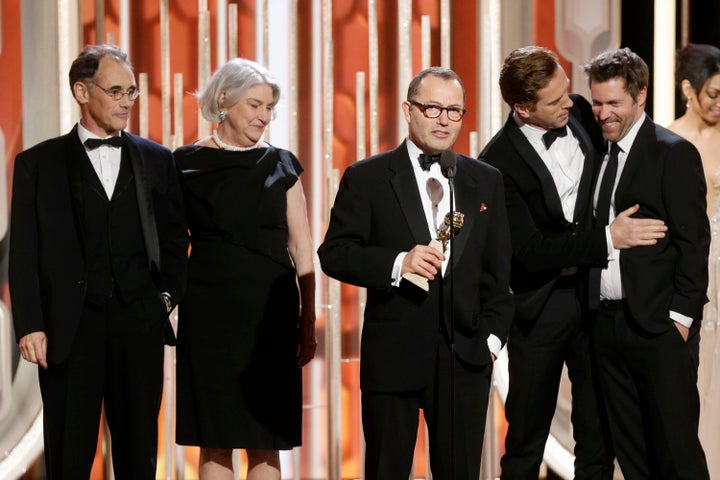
247, 322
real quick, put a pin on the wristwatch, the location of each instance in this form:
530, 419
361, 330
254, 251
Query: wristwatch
168, 301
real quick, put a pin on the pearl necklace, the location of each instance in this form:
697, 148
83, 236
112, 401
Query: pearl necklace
232, 148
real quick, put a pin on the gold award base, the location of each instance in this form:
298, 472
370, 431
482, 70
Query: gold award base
418, 280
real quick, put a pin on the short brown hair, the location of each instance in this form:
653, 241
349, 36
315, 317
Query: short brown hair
525, 71
621, 63
87, 62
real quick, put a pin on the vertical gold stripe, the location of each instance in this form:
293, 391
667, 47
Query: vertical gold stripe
404, 59
124, 42
232, 30
425, 41
221, 36
165, 71
360, 153
360, 115
292, 94
684, 22
143, 103
489, 60
445, 42
474, 144
373, 77
332, 329
203, 65
178, 137
99, 21
69, 42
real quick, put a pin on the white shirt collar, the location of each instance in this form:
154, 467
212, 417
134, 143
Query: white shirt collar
84, 133
627, 141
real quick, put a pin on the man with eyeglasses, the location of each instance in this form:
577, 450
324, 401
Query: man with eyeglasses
387, 209
97, 261
546, 152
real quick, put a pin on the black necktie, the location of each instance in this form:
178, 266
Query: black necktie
602, 217
93, 143
427, 160
602, 207
550, 136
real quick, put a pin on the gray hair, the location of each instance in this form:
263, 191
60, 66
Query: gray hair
233, 79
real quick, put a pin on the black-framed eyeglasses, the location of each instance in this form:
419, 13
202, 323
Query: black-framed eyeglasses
430, 110
117, 93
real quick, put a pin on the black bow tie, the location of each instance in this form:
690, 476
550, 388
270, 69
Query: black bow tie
550, 136
93, 143
427, 160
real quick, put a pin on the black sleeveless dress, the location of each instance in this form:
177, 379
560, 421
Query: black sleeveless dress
238, 383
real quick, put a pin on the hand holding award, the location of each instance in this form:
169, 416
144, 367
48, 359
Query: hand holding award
451, 226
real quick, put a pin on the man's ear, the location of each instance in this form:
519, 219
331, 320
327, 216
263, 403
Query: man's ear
81, 92
522, 111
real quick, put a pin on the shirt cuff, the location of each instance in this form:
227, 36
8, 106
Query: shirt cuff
610, 246
681, 319
494, 345
396, 275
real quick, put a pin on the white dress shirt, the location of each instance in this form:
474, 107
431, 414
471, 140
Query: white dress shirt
105, 160
565, 161
611, 287
434, 194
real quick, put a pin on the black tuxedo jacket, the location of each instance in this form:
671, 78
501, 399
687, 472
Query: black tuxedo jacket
47, 251
377, 215
664, 174
543, 241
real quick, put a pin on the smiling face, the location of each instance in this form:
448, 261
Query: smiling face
552, 109
247, 118
707, 102
614, 108
101, 114
433, 135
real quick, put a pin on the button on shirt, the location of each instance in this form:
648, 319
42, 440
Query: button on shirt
565, 161
104, 159
611, 287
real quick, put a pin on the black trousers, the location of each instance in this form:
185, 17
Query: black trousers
536, 354
118, 360
390, 423
649, 384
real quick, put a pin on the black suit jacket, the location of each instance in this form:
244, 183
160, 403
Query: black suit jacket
664, 174
47, 252
377, 215
543, 241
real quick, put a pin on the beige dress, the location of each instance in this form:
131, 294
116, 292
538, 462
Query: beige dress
709, 370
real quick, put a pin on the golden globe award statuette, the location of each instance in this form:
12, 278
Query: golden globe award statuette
440, 244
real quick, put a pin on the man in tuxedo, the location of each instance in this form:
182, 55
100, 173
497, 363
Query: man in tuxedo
387, 209
98, 252
546, 152
647, 301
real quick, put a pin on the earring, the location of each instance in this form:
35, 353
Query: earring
222, 115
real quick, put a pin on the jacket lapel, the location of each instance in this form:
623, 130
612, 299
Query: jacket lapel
75, 155
586, 179
466, 195
642, 147
533, 160
145, 204
406, 191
